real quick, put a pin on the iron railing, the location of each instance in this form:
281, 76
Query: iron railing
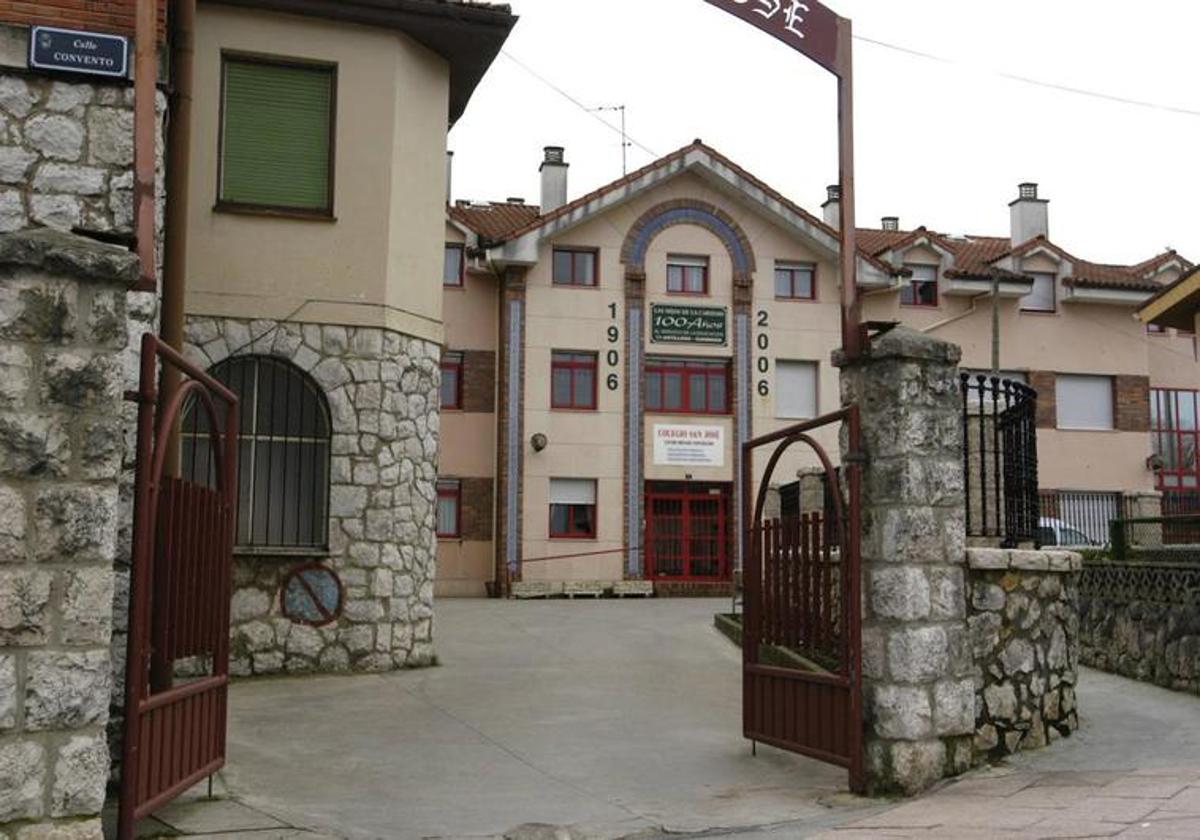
1080, 517
1175, 538
1000, 462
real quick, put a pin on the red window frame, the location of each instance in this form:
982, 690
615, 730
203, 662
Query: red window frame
449, 489
913, 284
793, 270
453, 363
713, 370
573, 363
455, 282
683, 268
571, 533
574, 279
1173, 443
671, 541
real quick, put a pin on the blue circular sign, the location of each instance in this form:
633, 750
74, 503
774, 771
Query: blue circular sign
312, 595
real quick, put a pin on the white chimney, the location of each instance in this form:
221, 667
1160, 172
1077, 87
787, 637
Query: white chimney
833, 206
1030, 214
554, 179
890, 222
449, 173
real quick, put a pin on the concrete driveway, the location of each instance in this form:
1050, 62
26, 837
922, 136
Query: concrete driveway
613, 717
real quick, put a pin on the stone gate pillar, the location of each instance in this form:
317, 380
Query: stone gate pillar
62, 332
918, 689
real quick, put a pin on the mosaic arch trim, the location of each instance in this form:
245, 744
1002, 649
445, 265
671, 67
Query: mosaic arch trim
688, 212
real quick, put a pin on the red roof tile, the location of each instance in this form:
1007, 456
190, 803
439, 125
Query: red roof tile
495, 221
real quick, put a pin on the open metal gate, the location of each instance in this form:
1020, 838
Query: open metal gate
802, 650
174, 734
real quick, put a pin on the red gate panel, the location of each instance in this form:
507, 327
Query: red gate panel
802, 679
174, 735
687, 533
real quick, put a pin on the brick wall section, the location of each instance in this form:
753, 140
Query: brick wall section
478, 508
1043, 381
1132, 403
479, 381
115, 16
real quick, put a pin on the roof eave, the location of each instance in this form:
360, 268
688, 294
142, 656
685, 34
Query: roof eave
1106, 295
468, 37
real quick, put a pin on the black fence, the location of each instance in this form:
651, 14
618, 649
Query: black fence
1079, 517
1000, 463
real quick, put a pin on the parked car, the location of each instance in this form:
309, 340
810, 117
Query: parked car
1056, 532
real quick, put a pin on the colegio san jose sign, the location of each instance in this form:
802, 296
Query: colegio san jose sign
75, 51
687, 324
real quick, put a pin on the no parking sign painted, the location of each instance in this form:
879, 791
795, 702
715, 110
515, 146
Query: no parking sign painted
312, 595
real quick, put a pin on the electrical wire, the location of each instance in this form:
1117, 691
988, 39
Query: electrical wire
1027, 80
591, 112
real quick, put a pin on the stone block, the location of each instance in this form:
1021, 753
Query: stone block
73, 830
66, 690
56, 136
110, 136
34, 446
24, 606
1030, 561
900, 592
917, 654
12, 526
80, 774
248, 604
304, 641
38, 311
76, 524
14, 164
101, 449
987, 558
69, 178
947, 593
987, 597
16, 95
12, 211
915, 765
900, 712
954, 707
1018, 657
1001, 700
9, 695
22, 780
87, 604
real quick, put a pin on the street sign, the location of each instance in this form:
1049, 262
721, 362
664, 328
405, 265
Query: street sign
312, 594
804, 25
813, 30
687, 324
75, 51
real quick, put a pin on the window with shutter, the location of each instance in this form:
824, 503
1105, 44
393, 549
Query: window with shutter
795, 390
277, 136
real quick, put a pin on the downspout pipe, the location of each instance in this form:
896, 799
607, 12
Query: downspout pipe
178, 164
145, 82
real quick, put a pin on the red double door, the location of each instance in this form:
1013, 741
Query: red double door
688, 533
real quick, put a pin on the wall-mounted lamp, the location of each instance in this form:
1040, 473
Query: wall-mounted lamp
539, 442
1154, 463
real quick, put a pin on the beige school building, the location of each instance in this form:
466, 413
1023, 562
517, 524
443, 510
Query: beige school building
605, 357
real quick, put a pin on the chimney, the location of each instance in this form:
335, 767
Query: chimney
890, 222
554, 179
1030, 214
512, 199
449, 173
833, 206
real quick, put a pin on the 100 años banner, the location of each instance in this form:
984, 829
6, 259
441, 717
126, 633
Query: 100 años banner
687, 324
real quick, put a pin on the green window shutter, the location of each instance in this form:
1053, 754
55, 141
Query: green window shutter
275, 146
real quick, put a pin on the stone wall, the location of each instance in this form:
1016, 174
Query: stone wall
382, 389
1142, 620
62, 334
66, 154
918, 693
1023, 616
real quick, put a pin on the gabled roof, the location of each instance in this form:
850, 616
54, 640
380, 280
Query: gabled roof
494, 221
1175, 305
492, 225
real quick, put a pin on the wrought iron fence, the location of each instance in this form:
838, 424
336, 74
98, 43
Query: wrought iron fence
1000, 463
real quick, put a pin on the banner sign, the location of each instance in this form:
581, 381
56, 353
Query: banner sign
687, 324
689, 446
78, 52
804, 25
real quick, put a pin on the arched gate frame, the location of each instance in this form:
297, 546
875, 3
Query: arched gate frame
174, 735
802, 639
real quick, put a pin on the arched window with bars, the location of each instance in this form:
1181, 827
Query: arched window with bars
283, 454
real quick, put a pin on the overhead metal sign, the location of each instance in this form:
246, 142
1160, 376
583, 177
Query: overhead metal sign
804, 25
76, 51
812, 29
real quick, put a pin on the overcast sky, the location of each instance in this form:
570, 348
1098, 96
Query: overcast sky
938, 143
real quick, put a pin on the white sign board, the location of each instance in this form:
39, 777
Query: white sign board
689, 446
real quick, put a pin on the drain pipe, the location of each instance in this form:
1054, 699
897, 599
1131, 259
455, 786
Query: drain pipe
145, 79
178, 164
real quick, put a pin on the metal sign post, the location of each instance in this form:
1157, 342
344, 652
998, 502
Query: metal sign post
813, 29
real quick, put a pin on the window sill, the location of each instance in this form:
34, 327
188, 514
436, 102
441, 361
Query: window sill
572, 410
783, 299
444, 538
591, 287
1039, 311
573, 538
668, 413
1084, 429
274, 212
282, 553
